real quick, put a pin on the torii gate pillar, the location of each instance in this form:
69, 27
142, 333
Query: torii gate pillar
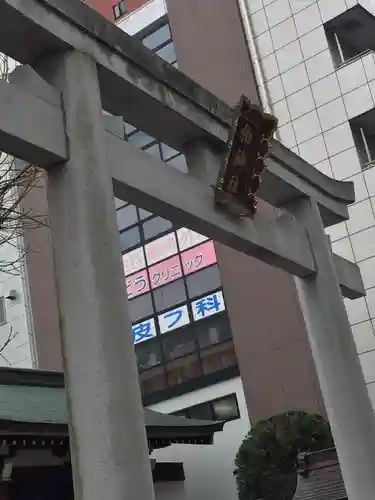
336, 360
108, 440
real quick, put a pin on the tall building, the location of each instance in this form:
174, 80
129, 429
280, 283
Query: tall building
316, 71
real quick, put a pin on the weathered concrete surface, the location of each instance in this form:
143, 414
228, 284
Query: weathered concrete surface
40, 137
336, 360
110, 456
184, 199
151, 94
350, 278
30, 127
180, 197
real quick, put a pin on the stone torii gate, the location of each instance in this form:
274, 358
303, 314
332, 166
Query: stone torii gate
74, 65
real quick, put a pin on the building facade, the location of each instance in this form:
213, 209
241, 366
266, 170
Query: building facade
316, 69
313, 64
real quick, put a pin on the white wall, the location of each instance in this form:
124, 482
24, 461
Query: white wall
314, 101
208, 469
18, 352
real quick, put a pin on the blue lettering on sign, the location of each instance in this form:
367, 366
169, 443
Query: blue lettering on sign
143, 331
176, 315
176, 318
209, 305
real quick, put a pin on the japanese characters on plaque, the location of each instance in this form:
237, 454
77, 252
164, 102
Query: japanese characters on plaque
179, 316
176, 318
167, 270
208, 305
144, 331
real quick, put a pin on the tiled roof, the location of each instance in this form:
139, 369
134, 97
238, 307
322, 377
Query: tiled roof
35, 398
319, 477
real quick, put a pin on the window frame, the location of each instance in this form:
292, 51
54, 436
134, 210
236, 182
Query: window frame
119, 10
184, 412
4, 310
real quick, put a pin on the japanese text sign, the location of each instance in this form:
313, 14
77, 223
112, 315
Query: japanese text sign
165, 272
171, 320
137, 283
198, 258
208, 305
144, 331
161, 248
188, 238
133, 261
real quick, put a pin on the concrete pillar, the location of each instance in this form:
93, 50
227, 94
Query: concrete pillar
107, 435
336, 360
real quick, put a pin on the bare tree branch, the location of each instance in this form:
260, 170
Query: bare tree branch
17, 180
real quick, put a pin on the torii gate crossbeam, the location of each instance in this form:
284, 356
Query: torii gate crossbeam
94, 66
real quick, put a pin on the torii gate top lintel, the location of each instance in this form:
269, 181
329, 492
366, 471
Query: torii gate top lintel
153, 95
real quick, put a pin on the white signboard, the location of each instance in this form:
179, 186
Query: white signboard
144, 331
161, 248
170, 320
188, 238
134, 261
208, 305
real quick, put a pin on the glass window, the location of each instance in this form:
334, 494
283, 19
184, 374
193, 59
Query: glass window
179, 343
140, 307
134, 261
160, 249
226, 408
179, 162
167, 151
203, 281
140, 139
169, 295
201, 412
129, 238
148, 354
157, 38
129, 128
119, 203
3, 318
218, 357
167, 53
188, 238
119, 9
213, 330
126, 216
143, 214
183, 370
153, 150
153, 380
155, 226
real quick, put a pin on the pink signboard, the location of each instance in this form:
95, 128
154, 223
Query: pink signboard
133, 261
136, 284
165, 272
161, 248
198, 258
188, 238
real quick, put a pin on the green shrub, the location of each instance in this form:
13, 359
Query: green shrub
266, 462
